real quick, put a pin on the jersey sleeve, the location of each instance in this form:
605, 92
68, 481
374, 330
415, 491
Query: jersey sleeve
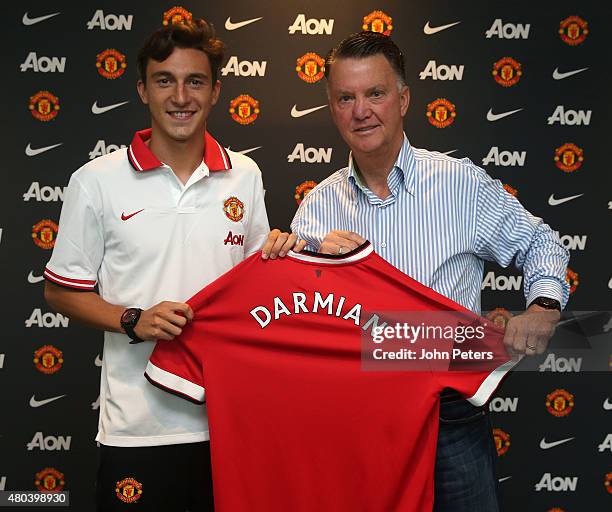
176, 367
79, 247
258, 228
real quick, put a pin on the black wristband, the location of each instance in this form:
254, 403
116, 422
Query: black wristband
129, 319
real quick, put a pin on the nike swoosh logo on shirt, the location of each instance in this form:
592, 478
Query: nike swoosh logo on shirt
504, 479
554, 202
545, 446
233, 26
26, 20
295, 112
126, 217
95, 109
560, 76
607, 405
34, 279
39, 403
496, 117
29, 151
429, 30
98, 361
250, 150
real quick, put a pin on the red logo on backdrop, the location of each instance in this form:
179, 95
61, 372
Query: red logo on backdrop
502, 441
507, 71
44, 233
44, 106
572, 278
110, 63
573, 30
303, 189
511, 190
176, 15
568, 157
559, 403
556, 509
48, 359
128, 490
441, 113
378, 21
49, 480
244, 109
310, 67
500, 317
608, 483
234, 209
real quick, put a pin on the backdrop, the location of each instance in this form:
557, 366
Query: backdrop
521, 88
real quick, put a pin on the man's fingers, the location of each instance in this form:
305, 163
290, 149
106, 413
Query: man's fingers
299, 247
167, 330
288, 245
278, 245
269, 243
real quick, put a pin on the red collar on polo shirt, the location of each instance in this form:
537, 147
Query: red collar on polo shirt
142, 159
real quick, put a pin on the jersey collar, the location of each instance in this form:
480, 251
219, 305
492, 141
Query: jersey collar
354, 256
142, 159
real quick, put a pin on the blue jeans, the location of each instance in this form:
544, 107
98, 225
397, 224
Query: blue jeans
466, 458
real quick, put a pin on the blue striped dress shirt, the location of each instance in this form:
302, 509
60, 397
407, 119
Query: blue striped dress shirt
443, 219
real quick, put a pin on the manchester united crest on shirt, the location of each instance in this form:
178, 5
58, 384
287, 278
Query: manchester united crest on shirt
441, 113
507, 71
569, 157
128, 490
500, 317
234, 209
44, 233
502, 441
559, 403
49, 480
511, 190
176, 15
378, 21
573, 30
303, 189
244, 109
48, 359
110, 63
310, 67
44, 106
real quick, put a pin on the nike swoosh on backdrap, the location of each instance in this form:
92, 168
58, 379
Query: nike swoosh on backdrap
429, 30
545, 446
495, 117
554, 202
38, 403
295, 112
30, 151
560, 76
26, 20
34, 279
233, 26
95, 109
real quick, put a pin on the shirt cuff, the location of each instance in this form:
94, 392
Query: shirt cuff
546, 287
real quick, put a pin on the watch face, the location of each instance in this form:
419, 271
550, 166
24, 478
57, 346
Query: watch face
129, 316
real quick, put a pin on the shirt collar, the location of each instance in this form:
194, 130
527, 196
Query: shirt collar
142, 158
404, 162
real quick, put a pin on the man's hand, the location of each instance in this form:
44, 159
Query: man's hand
340, 242
164, 321
280, 243
529, 332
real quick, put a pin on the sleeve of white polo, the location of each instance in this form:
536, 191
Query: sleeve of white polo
79, 246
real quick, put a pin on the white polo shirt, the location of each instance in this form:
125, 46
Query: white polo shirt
130, 226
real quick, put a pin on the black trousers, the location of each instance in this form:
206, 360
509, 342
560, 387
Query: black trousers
172, 478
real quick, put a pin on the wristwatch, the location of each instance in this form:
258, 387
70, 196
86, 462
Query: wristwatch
547, 303
129, 319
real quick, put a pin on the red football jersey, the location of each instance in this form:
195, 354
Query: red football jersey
298, 421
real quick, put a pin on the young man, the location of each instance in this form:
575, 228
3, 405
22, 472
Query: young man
436, 219
148, 225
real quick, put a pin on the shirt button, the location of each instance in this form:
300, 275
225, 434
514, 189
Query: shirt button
383, 245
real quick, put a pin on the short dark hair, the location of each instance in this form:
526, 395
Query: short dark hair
198, 34
366, 44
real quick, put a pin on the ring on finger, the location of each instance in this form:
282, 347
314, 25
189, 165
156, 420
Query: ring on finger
340, 249
531, 347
